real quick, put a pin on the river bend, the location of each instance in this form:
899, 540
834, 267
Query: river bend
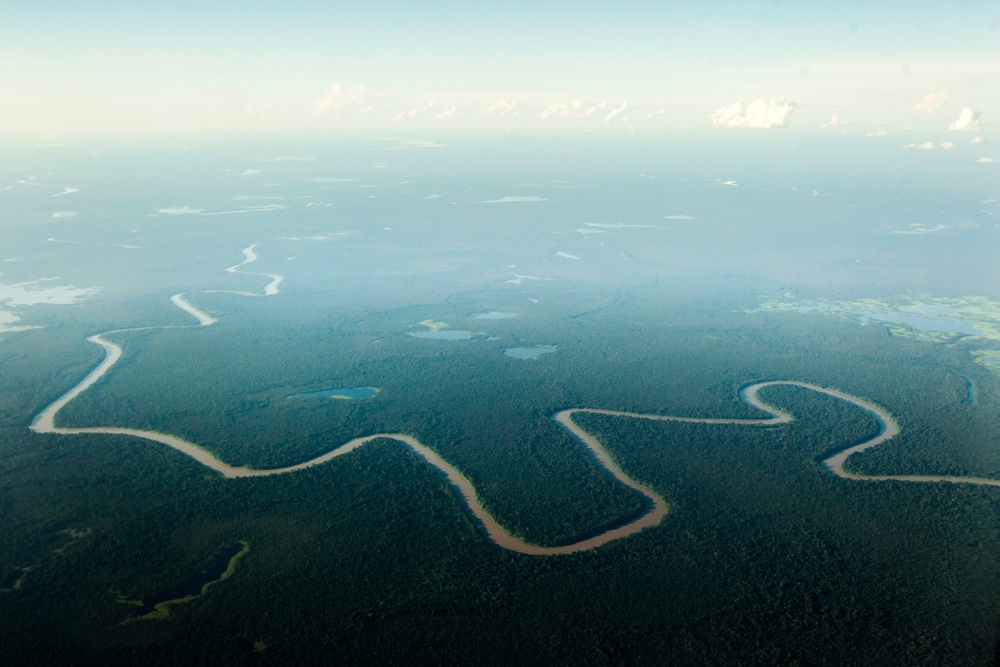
656, 506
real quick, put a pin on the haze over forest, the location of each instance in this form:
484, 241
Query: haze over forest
443, 333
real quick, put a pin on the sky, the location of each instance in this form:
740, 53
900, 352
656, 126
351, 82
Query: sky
144, 68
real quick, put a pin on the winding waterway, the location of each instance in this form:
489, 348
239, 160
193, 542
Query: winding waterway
657, 507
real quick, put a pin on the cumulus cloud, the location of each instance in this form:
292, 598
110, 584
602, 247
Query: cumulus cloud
931, 101
617, 112
926, 146
415, 111
555, 110
339, 97
977, 140
834, 122
947, 145
502, 108
760, 114
985, 160
448, 113
967, 120
880, 133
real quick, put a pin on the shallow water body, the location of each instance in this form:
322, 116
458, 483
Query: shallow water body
344, 393
193, 585
529, 352
443, 335
928, 317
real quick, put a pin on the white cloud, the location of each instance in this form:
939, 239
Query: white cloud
985, 160
760, 114
679, 217
931, 101
446, 114
251, 172
410, 113
566, 255
502, 108
591, 109
967, 120
555, 110
616, 112
63, 214
880, 133
926, 146
947, 145
834, 122
339, 97
977, 140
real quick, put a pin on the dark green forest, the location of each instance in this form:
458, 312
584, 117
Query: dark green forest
764, 559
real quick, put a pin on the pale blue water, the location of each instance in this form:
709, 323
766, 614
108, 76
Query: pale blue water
443, 335
927, 322
930, 318
529, 352
345, 393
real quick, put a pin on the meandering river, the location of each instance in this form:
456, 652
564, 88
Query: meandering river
656, 509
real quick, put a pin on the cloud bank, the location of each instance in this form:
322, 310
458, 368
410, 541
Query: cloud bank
761, 114
339, 97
